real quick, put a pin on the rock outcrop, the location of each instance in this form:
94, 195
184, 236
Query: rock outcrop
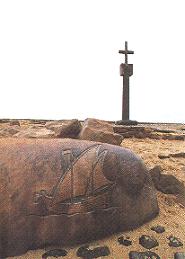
62, 191
101, 131
65, 129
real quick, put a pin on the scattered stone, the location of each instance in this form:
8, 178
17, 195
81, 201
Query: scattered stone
101, 131
124, 242
167, 184
87, 253
143, 255
174, 241
148, 242
163, 156
179, 255
55, 253
65, 129
158, 229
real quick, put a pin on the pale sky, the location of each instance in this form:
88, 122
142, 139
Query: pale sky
59, 59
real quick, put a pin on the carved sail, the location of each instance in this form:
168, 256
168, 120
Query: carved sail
82, 181
99, 180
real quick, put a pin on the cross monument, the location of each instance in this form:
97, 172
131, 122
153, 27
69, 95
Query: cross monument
126, 70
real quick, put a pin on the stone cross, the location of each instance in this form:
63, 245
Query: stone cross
126, 70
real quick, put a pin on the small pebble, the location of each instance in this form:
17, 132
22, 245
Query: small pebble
55, 253
148, 242
179, 256
87, 253
124, 242
158, 229
143, 255
174, 241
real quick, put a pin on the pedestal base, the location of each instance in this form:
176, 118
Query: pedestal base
126, 122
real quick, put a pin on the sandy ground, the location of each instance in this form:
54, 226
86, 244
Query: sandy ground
172, 212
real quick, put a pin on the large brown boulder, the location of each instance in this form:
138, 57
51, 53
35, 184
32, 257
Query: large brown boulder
62, 191
101, 131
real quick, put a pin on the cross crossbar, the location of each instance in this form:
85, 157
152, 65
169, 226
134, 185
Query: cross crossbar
126, 52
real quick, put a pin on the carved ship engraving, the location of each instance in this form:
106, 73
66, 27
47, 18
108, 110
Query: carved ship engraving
79, 189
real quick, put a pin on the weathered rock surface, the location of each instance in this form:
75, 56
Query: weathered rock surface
62, 191
14, 123
146, 131
168, 184
101, 131
65, 129
35, 133
9, 131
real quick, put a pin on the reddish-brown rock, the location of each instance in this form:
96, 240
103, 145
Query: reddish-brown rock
101, 131
62, 191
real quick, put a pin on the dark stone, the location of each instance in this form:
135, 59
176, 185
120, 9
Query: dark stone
65, 129
148, 242
177, 155
179, 255
163, 156
87, 253
143, 255
124, 242
66, 191
55, 253
167, 184
158, 229
174, 241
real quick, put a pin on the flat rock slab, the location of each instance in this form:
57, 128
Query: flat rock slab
64, 191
